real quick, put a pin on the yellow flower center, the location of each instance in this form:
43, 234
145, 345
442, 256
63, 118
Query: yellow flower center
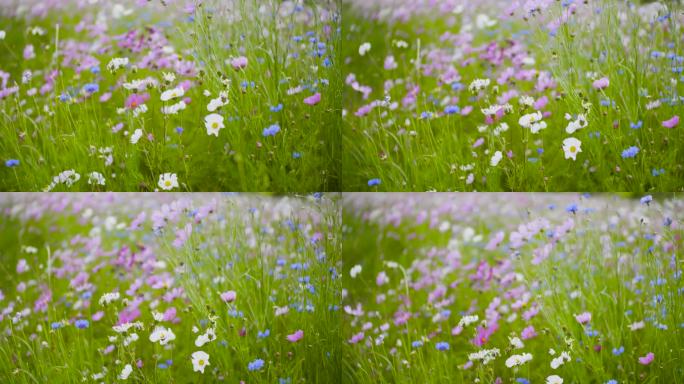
167, 183
201, 362
573, 149
215, 125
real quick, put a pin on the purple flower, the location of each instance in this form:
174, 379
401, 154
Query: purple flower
239, 63
228, 296
528, 333
646, 360
313, 100
673, 122
583, 318
601, 83
295, 337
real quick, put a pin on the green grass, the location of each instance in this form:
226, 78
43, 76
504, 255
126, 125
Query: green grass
410, 153
232, 249
48, 136
604, 259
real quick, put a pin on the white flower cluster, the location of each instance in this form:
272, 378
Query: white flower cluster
517, 360
486, 355
68, 177
533, 121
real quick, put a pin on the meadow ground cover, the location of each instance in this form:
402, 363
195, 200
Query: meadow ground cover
514, 288
156, 288
522, 95
138, 95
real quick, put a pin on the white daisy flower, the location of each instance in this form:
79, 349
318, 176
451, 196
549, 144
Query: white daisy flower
355, 271
126, 372
560, 360
478, 85
168, 181
209, 335
571, 147
96, 178
117, 63
162, 335
200, 360
517, 360
496, 158
107, 298
213, 123
172, 94
364, 48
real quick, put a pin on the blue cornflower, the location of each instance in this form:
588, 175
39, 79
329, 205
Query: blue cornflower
91, 87
417, 344
296, 155
572, 208
255, 365
373, 182
81, 324
630, 152
646, 199
657, 172
452, 109
442, 346
56, 325
11, 163
272, 130
263, 334
179, 130
611, 381
636, 125
521, 380
277, 108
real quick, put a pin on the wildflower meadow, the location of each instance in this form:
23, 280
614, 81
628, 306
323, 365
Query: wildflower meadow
277, 130
513, 95
512, 288
138, 95
157, 288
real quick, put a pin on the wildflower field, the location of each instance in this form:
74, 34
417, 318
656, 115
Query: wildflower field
513, 95
152, 288
512, 288
138, 95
